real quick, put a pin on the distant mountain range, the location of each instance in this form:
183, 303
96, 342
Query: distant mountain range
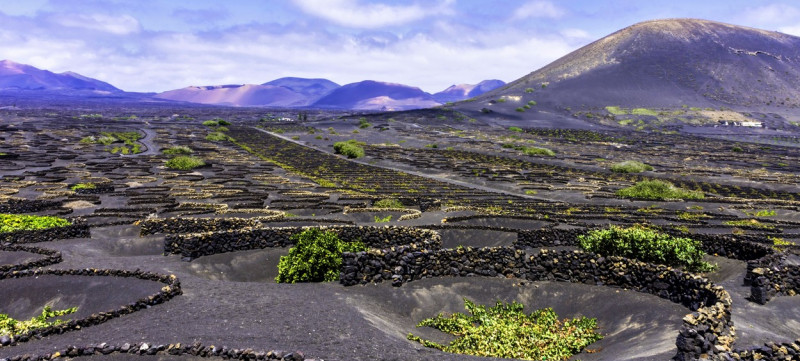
284, 92
15, 76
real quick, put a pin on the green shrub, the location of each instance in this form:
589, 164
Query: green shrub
615, 110
644, 111
21, 222
178, 149
362, 123
630, 166
350, 148
393, 203
12, 327
386, 219
749, 223
106, 140
505, 331
316, 257
737, 150
538, 151
210, 123
185, 162
532, 103
646, 245
83, 186
658, 190
223, 122
515, 129
529, 90
520, 109
217, 137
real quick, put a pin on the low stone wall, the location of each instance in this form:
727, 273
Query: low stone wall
771, 276
196, 225
150, 349
79, 230
407, 264
28, 206
50, 257
172, 288
196, 245
548, 237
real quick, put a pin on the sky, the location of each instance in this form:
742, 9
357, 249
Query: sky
159, 45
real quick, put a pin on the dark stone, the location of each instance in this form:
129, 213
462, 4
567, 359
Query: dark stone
5, 340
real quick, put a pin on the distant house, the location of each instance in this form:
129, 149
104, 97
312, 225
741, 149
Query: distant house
732, 123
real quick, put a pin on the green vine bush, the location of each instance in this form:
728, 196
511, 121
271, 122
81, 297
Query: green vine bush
393, 203
630, 166
505, 331
20, 222
646, 245
350, 148
12, 327
658, 190
183, 162
316, 257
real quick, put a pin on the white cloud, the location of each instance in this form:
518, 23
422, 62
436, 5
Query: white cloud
117, 25
574, 33
791, 30
352, 13
773, 14
538, 9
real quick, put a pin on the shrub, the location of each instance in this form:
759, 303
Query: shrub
505, 331
184, 162
316, 257
223, 122
658, 190
538, 151
21, 222
520, 109
106, 140
532, 103
630, 166
737, 150
362, 123
646, 245
615, 110
393, 203
83, 186
644, 111
217, 137
210, 123
350, 148
529, 90
178, 149
749, 223
515, 129
386, 219
12, 327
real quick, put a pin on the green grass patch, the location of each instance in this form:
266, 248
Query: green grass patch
316, 257
505, 331
658, 190
646, 245
12, 327
515, 129
185, 162
349, 148
630, 166
22, 222
616, 110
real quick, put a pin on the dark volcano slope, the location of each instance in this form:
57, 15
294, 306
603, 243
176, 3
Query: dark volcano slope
669, 63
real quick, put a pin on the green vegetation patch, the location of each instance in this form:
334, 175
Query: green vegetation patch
83, 186
386, 219
184, 162
616, 110
505, 331
177, 150
527, 150
21, 222
630, 166
316, 257
646, 245
515, 129
350, 148
12, 327
749, 223
644, 111
658, 190
393, 203
217, 137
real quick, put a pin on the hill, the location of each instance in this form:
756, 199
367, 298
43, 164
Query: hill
374, 95
237, 95
15, 76
465, 91
312, 89
672, 64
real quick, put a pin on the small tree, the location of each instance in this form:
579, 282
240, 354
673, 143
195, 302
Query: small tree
316, 257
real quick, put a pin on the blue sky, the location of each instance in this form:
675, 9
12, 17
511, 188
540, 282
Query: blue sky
157, 45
